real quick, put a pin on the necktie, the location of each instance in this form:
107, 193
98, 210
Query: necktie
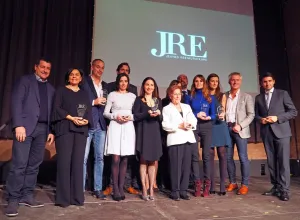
268, 94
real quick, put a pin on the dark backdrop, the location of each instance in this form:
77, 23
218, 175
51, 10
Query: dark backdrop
62, 31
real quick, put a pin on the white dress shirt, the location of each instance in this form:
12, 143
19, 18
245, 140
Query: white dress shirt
268, 96
231, 107
98, 88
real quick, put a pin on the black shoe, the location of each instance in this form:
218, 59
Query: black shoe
175, 198
284, 196
116, 198
272, 192
185, 197
122, 197
99, 195
12, 209
222, 193
212, 192
31, 203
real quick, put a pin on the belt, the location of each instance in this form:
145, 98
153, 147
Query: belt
230, 124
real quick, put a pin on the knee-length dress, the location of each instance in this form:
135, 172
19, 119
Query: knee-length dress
148, 131
220, 132
120, 139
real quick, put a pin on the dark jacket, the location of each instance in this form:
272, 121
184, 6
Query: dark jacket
25, 103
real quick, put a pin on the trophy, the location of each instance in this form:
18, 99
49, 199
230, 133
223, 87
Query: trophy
155, 105
81, 108
220, 112
104, 93
204, 108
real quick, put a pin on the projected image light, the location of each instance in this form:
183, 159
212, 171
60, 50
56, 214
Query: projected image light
173, 48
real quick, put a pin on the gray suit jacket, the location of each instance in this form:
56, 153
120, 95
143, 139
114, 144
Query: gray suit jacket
281, 105
244, 113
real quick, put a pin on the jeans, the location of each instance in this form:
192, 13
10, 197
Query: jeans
98, 138
241, 144
26, 159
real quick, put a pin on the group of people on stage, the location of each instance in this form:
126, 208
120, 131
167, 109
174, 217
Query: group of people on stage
145, 137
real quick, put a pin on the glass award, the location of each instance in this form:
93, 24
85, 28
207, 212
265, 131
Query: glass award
220, 112
104, 93
204, 108
81, 109
155, 104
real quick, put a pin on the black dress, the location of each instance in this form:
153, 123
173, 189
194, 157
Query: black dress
147, 128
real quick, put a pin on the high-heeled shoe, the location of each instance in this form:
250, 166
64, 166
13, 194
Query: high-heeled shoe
222, 193
116, 198
151, 198
145, 198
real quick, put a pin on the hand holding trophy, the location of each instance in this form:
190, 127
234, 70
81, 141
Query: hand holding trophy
221, 112
154, 111
81, 109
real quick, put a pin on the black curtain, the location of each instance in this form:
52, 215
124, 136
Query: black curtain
62, 31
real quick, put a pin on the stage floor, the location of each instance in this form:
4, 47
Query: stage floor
231, 206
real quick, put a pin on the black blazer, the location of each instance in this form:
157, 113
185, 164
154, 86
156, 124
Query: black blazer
282, 106
112, 87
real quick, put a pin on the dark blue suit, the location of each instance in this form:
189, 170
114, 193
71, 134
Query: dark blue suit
277, 136
97, 110
27, 155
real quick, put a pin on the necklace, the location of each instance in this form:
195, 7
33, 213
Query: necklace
72, 88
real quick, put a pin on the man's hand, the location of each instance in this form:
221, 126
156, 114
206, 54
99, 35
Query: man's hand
237, 128
20, 133
50, 139
272, 119
100, 101
264, 121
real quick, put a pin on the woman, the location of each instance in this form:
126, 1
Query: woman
203, 106
120, 141
163, 171
70, 118
220, 134
179, 121
147, 115
166, 100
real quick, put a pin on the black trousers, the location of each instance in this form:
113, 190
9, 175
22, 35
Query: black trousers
204, 131
180, 166
70, 150
278, 156
26, 159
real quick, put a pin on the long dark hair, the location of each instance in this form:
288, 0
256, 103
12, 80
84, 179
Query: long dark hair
205, 90
118, 79
218, 92
155, 93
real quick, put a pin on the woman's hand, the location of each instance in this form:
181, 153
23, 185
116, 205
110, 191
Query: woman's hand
155, 113
182, 126
202, 115
221, 116
76, 120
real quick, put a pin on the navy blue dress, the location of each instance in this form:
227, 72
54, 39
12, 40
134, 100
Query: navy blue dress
220, 132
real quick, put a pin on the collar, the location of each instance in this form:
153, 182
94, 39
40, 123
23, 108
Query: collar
100, 82
270, 91
237, 93
39, 78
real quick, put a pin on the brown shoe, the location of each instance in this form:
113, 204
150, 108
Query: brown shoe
108, 191
231, 187
132, 190
243, 190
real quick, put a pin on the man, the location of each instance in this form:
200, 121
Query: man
97, 90
31, 105
183, 80
122, 68
239, 115
274, 108
133, 167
